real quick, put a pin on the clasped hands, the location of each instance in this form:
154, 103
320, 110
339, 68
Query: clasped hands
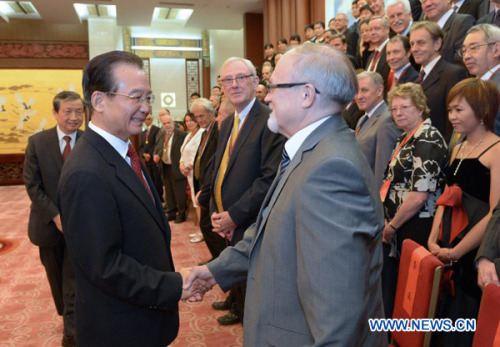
196, 282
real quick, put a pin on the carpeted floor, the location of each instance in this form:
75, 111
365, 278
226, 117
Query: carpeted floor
27, 314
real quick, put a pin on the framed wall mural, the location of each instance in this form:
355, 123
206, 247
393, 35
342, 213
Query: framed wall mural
26, 103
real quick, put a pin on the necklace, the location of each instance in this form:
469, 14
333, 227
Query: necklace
463, 157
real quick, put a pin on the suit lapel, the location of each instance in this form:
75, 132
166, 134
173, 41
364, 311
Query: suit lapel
124, 173
332, 124
434, 74
447, 25
52, 143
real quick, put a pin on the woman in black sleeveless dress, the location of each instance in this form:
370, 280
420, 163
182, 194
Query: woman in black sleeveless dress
471, 193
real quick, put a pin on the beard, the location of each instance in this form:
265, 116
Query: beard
272, 124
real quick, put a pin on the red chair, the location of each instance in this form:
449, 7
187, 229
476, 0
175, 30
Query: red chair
419, 284
488, 321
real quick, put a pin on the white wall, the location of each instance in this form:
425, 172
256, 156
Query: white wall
224, 44
104, 36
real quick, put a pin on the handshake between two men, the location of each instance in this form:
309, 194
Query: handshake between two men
196, 282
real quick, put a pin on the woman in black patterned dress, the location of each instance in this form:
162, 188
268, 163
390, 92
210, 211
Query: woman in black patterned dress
472, 191
413, 182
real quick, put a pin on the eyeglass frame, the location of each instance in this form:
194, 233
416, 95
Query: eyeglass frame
228, 81
402, 108
463, 50
137, 99
271, 86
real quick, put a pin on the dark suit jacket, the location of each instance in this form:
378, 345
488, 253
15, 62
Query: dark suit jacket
496, 79
409, 75
251, 168
42, 169
206, 167
471, 7
455, 29
382, 67
490, 245
351, 115
150, 146
175, 150
352, 37
118, 239
416, 9
436, 88
487, 19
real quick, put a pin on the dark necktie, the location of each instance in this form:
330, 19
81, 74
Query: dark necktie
363, 121
285, 161
421, 77
201, 148
67, 148
135, 163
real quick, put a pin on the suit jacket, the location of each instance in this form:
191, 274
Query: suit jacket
377, 138
206, 167
484, 9
314, 256
416, 9
149, 147
42, 169
487, 19
351, 115
496, 79
490, 245
175, 151
382, 67
455, 30
352, 37
118, 239
251, 168
409, 75
471, 7
436, 87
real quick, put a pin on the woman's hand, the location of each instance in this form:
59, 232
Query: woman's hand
388, 233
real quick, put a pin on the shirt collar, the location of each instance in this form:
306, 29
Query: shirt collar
398, 73
407, 30
382, 45
490, 73
293, 144
372, 111
118, 144
444, 18
243, 114
61, 134
428, 68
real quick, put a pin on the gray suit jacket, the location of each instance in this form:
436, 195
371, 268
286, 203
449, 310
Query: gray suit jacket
314, 256
377, 138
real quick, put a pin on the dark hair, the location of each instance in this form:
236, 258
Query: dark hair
64, 96
309, 26
195, 94
404, 40
190, 115
432, 28
331, 20
295, 37
98, 74
283, 40
320, 23
482, 97
339, 36
216, 87
268, 45
366, 7
354, 2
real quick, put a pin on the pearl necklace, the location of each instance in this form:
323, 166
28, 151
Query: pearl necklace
463, 157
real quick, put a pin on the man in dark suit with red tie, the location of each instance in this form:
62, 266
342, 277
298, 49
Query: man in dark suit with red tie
45, 155
127, 290
379, 36
398, 58
148, 142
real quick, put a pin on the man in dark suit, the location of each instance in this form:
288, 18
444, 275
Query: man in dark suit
481, 54
351, 36
148, 142
398, 58
487, 16
488, 255
45, 156
314, 255
118, 238
454, 27
437, 76
167, 153
376, 131
471, 7
245, 162
379, 36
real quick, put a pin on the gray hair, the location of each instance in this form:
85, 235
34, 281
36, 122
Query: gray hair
328, 69
385, 21
375, 78
244, 61
343, 15
203, 103
405, 3
491, 32
227, 105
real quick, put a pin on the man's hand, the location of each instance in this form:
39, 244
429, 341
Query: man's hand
388, 233
196, 197
147, 156
223, 225
486, 272
196, 289
156, 158
198, 274
57, 221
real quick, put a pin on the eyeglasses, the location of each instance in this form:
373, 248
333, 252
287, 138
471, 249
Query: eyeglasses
228, 81
403, 108
472, 49
270, 87
138, 99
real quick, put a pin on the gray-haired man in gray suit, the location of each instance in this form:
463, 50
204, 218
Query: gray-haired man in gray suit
312, 260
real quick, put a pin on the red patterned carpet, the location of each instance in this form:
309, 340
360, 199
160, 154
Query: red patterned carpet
27, 314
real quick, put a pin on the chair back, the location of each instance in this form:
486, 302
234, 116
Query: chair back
488, 321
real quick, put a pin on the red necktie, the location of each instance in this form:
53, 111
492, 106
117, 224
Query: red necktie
390, 80
374, 61
421, 77
135, 163
67, 148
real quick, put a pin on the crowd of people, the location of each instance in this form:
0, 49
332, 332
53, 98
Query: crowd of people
377, 132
